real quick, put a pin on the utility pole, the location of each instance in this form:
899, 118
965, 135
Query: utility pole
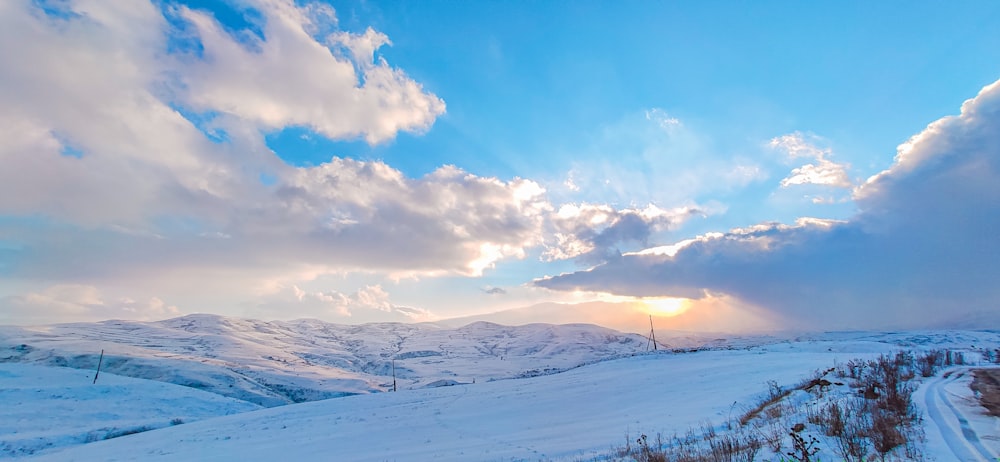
652, 335
99, 361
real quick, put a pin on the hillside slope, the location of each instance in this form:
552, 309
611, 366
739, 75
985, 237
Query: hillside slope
54, 407
277, 363
575, 415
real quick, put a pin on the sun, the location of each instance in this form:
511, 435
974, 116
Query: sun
666, 306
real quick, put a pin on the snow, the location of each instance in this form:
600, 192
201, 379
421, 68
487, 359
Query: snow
277, 363
53, 407
578, 413
957, 424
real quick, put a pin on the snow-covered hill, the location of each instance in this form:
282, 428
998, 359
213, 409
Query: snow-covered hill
276, 363
574, 415
55, 407
449, 406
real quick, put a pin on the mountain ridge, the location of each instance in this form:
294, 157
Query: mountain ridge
272, 363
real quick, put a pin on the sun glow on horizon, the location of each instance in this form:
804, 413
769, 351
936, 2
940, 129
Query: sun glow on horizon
666, 306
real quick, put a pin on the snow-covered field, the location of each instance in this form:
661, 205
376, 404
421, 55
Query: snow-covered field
45, 407
578, 414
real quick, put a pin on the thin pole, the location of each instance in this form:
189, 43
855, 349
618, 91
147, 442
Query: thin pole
652, 334
99, 361
394, 374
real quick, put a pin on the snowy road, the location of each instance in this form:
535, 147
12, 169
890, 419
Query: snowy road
955, 422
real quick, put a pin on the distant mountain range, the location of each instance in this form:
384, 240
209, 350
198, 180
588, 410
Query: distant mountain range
274, 363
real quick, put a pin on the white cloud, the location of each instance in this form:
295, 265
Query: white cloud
662, 119
922, 250
341, 216
85, 82
822, 171
149, 200
374, 217
740, 175
290, 79
77, 303
652, 157
95, 81
101, 81
370, 303
672, 249
569, 183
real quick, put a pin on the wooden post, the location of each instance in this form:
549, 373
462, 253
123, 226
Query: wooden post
394, 374
99, 361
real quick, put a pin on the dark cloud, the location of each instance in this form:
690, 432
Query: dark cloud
595, 233
494, 290
923, 250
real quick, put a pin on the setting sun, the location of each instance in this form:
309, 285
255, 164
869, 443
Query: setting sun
664, 306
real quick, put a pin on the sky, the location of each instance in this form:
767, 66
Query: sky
722, 165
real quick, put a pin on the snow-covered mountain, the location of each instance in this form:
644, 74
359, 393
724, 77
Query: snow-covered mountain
551, 409
578, 414
276, 363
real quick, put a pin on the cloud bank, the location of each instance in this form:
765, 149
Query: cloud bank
367, 304
594, 233
134, 156
922, 250
77, 303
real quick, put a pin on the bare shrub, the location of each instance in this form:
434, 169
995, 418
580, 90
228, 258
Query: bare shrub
831, 420
883, 417
772, 435
885, 433
802, 449
647, 453
904, 362
814, 415
775, 393
775, 411
852, 440
929, 362
853, 369
706, 445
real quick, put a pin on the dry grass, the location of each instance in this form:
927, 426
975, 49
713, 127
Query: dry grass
769, 405
986, 384
878, 421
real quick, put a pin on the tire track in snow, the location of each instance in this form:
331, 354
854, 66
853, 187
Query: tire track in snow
967, 432
965, 446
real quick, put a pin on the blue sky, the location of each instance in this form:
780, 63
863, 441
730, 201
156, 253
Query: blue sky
369, 161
